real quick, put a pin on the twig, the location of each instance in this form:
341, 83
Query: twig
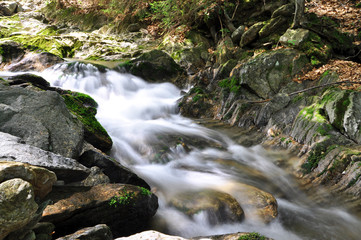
308, 89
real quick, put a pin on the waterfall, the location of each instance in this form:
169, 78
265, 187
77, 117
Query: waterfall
174, 154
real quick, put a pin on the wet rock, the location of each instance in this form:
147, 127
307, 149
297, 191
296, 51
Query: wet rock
29, 78
151, 235
17, 205
219, 207
66, 169
156, 66
126, 209
251, 34
294, 37
277, 103
98, 232
41, 119
8, 8
11, 51
115, 171
257, 204
34, 62
41, 179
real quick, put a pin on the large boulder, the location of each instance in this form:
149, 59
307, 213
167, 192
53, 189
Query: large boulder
110, 167
40, 178
10, 51
156, 66
126, 209
267, 73
66, 169
41, 119
219, 207
17, 205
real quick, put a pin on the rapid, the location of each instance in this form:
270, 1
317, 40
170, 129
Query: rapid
174, 154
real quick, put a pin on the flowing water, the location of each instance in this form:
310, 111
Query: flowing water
174, 154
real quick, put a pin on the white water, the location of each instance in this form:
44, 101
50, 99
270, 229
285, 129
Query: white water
140, 116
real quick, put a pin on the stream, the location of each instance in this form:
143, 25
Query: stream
174, 154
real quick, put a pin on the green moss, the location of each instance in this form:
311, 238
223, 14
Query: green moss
252, 236
84, 107
316, 49
316, 155
145, 191
124, 198
232, 84
354, 180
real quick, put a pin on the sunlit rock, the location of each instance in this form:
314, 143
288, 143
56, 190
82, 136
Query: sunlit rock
219, 207
17, 205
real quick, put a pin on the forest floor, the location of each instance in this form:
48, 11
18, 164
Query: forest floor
347, 14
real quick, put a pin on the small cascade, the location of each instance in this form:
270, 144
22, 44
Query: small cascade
176, 156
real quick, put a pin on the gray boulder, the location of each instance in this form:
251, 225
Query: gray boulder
268, 72
251, 34
294, 37
17, 205
66, 169
41, 119
98, 232
115, 171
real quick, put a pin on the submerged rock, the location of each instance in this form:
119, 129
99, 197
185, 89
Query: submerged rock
17, 205
126, 209
257, 204
219, 207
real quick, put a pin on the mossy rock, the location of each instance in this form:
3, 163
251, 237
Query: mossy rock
84, 107
156, 66
327, 28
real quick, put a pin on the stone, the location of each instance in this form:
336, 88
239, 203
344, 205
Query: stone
272, 26
11, 51
151, 235
237, 34
257, 204
8, 8
66, 169
95, 177
126, 209
17, 205
41, 119
34, 62
251, 34
156, 66
98, 232
40, 178
294, 37
110, 167
352, 118
269, 71
286, 10
219, 207
29, 78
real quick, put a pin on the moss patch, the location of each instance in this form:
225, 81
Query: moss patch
316, 155
84, 107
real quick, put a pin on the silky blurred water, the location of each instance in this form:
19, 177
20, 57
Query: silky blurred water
141, 118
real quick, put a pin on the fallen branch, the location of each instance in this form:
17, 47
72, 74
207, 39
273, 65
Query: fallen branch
309, 89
